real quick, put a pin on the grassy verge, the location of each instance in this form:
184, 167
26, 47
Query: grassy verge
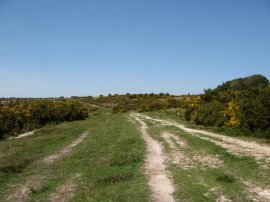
202, 183
109, 160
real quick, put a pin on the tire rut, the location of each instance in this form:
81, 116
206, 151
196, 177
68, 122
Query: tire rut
159, 181
65, 151
234, 145
20, 192
67, 191
191, 160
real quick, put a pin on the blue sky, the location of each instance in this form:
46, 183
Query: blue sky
84, 47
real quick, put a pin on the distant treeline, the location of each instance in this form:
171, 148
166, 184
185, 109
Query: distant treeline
147, 102
136, 102
20, 116
240, 104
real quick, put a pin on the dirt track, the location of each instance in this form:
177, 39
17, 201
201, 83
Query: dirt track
66, 150
232, 144
23, 135
66, 191
20, 192
159, 180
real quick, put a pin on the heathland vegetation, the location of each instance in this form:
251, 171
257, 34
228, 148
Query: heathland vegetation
104, 157
241, 105
24, 115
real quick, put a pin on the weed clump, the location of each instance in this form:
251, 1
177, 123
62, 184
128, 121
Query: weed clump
228, 178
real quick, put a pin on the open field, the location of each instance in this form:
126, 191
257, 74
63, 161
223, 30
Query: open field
130, 157
56, 165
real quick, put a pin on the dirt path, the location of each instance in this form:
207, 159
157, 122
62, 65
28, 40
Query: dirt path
257, 193
68, 149
232, 144
20, 192
194, 159
66, 191
170, 138
23, 135
159, 180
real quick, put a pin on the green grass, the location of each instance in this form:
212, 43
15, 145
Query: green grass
18, 154
228, 179
110, 160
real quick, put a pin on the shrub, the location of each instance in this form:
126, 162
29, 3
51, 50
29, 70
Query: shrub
22, 116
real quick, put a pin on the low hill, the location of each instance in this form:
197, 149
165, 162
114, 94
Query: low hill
254, 81
242, 104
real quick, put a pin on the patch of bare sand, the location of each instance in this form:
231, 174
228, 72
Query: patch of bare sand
67, 150
67, 191
257, 193
213, 190
217, 192
223, 199
159, 180
194, 159
23, 135
234, 145
22, 191
170, 138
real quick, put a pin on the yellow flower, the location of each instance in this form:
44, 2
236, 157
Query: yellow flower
233, 114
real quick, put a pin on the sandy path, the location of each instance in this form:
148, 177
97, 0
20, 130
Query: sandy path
67, 191
257, 193
159, 181
169, 137
20, 192
232, 144
194, 160
68, 149
23, 135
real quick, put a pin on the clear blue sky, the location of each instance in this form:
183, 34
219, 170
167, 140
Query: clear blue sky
84, 47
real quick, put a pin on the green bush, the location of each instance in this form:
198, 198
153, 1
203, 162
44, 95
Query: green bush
242, 104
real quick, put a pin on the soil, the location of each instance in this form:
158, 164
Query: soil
159, 180
234, 145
